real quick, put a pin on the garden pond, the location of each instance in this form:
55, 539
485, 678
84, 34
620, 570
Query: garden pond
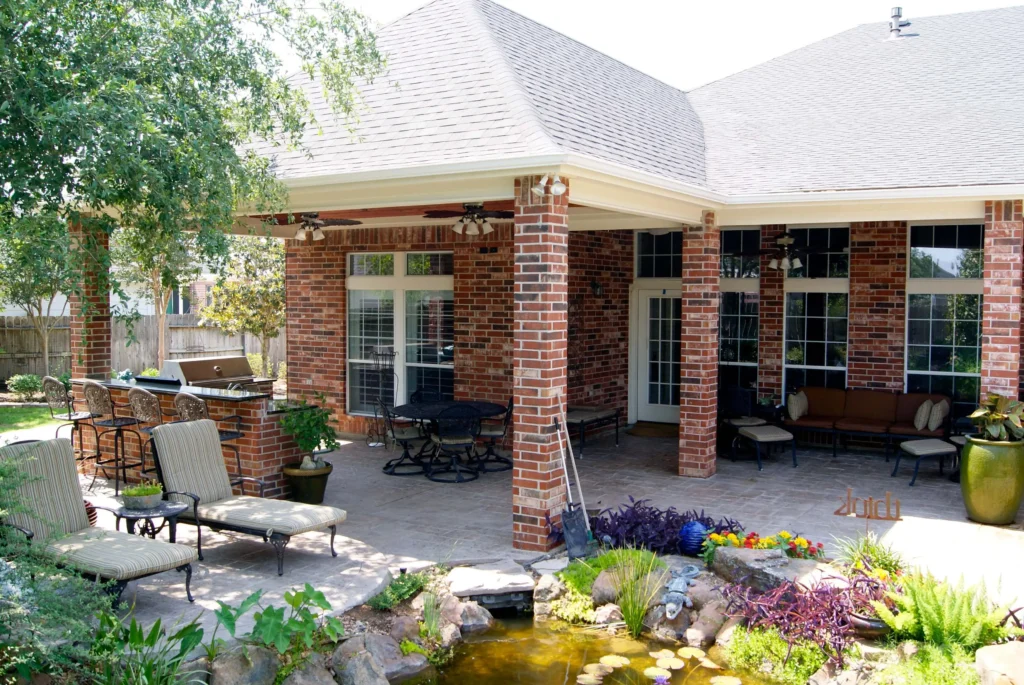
519, 651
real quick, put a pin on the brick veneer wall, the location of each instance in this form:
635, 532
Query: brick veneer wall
771, 312
1001, 303
90, 311
877, 305
599, 325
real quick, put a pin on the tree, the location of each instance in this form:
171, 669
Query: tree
143, 113
34, 273
250, 296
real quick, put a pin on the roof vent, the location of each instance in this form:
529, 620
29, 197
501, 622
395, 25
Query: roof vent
896, 23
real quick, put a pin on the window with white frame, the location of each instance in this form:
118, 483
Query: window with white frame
659, 254
817, 310
738, 307
400, 302
944, 309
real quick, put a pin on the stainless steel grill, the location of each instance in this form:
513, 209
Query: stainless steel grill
233, 373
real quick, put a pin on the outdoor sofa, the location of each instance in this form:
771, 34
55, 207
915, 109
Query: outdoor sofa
878, 414
60, 524
190, 465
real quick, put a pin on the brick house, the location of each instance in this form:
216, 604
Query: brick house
894, 162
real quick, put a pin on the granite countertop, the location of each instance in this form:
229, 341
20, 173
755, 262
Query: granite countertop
165, 389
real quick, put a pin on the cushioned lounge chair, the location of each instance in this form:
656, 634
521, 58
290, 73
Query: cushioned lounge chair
190, 464
54, 493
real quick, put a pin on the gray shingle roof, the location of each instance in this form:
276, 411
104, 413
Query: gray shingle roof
856, 111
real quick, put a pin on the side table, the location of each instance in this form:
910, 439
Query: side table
166, 510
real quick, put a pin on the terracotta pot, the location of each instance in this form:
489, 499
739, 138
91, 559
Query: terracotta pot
992, 480
869, 626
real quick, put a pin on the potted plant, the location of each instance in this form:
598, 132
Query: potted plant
313, 429
992, 463
145, 495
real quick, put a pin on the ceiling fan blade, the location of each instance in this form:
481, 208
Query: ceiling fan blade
442, 214
339, 222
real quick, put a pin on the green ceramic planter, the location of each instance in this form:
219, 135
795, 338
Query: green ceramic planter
992, 480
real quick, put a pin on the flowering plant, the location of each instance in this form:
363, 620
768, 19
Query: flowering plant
797, 547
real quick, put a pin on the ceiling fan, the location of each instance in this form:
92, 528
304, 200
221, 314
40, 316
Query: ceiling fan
786, 254
472, 220
312, 224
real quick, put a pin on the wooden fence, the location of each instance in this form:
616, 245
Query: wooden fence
20, 351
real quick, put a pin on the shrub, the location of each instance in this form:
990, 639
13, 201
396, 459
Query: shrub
398, 590
869, 553
143, 489
150, 372
766, 653
282, 371
640, 525
931, 665
430, 627
127, 654
637, 588
573, 606
25, 386
291, 632
582, 573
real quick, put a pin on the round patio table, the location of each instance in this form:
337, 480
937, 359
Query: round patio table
429, 411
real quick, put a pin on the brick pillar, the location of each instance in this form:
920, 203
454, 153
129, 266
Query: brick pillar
771, 314
878, 302
538, 360
1000, 323
698, 387
90, 309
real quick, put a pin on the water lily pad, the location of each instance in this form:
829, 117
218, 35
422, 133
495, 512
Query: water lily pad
726, 680
691, 653
587, 679
708, 663
614, 660
654, 673
663, 654
672, 663
599, 670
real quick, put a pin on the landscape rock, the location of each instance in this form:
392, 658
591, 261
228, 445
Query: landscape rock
710, 620
190, 672
548, 588
359, 669
608, 613
475, 618
312, 673
496, 578
664, 628
541, 609
451, 609
244, 666
762, 569
405, 628
408, 666
728, 629
605, 589
907, 650
706, 588
1001, 664
549, 566
450, 634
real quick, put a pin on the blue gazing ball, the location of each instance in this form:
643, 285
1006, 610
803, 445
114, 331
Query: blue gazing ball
691, 537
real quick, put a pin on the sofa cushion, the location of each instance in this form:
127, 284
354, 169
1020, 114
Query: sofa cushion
191, 460
908, 429
872, 405
863, 425
907, 405
796, 405
812, 422
923, 412
270, 515
825, 402
51, 489
937, 417
112, 554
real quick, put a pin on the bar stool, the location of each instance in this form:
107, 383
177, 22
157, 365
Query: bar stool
494, 433
101, 405
146, 409
62, 408
191, 408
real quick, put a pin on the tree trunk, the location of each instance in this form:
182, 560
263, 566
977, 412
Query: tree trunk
160, 299
45, 344
265, 356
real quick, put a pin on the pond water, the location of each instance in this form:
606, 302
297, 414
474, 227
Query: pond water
517, 651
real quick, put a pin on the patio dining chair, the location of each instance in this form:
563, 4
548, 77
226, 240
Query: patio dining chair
59, 526
494, 433
403, 434
191, 408
103, 411
62, 408
146, 408
457, 429
190, 464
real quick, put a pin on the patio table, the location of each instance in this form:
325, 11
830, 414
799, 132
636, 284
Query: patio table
429, 411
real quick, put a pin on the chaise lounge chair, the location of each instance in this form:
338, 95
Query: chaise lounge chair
190, 465
54, 493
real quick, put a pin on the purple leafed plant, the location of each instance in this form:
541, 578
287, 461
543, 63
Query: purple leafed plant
638, 524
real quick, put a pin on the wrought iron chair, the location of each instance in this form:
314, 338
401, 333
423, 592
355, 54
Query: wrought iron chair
424, 396
192, 408
494, 433
457, 430
103, 411
403, 435
146, 408
62, 408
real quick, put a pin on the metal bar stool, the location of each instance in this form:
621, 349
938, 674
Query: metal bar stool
103, 411
457, 430
191, 408
494, 433
402, 434
146, 409
62, 408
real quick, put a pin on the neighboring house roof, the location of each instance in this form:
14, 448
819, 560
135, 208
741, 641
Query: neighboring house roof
472, 81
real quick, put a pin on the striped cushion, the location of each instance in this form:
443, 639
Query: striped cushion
491, 431
452, 439
191, 460
120, 556
52, 491
271, 515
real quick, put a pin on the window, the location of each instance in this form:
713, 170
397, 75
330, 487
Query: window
738, 308
946, 251
660, 256
740, 253
815, 347
825, 252
179, 303
401, 303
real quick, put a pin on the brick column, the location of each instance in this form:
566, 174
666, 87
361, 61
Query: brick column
771, 313
698, 387
878, 302
538, 360
1000, 323
90, 309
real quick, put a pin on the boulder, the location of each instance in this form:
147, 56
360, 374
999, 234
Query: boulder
762, 569
359, 669
475, 618
385, 653
405, 628
191, 672
408, 666
549, 587
541, 609
245, 666
312, 673
549, 566
451, 609
706, 588
605, 589
1001, 664
664, 628
497, 578
450, 634
608, 613
710, 620
728, 629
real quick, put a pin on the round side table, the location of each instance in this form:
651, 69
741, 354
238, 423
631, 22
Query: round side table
168, 511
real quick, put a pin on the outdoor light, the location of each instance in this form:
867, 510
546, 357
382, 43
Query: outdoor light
596, 288
797, 263
774, 264
318, 234
300, 233
459, 227
472, 228
541, 185
784, 263
487, 227
557, 188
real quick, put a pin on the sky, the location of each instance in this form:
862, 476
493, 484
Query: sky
687, 43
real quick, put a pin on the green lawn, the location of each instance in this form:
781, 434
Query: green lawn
22, 418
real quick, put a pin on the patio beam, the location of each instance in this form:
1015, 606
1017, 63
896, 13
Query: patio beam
1001, 302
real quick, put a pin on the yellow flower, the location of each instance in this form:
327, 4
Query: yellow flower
880, 573
716, 538
785, 534
800, 542
734, 540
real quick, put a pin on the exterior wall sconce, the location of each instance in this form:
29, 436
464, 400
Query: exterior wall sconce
596, 288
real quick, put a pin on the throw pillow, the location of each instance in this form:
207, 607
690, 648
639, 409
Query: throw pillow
938, 415
924, 412
802, 398
793, 407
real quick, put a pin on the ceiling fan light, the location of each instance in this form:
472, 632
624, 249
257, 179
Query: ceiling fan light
318, 233
785, 264
459, 227
487, 228
773, 264
797, 263
472, 228
300, 233
541, 185
557, 188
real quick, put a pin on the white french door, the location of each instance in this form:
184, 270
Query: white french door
659, 328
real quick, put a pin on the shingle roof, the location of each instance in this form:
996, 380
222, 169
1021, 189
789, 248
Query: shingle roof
855, 111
